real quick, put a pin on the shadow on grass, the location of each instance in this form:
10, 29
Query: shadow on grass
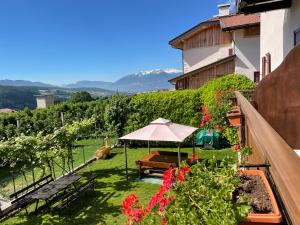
91, 207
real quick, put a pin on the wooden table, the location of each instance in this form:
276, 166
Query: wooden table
161, 158
49, 190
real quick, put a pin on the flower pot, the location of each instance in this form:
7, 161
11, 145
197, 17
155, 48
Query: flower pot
234, 116
263, 219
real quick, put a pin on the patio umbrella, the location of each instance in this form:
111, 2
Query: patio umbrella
160, 130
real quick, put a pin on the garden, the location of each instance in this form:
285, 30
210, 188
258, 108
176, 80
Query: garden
211, 187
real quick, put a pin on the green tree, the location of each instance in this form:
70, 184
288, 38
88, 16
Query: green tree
81, 96
116, 113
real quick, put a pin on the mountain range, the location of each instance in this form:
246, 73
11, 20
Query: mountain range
143, 81
150, 80
23, 83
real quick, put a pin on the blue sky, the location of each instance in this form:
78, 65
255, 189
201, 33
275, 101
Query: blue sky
63, 41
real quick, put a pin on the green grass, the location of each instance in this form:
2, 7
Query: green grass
104, 205
6, 173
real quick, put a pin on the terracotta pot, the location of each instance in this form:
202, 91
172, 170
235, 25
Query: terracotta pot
234, 116
263, 219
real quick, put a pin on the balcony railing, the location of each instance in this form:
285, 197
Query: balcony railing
270, 148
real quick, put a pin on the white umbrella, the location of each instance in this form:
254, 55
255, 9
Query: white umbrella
160, 130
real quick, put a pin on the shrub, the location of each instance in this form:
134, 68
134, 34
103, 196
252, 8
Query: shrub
216, 97
226, 86
182, 107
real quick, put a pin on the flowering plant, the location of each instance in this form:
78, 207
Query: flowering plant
138, 214
206, 196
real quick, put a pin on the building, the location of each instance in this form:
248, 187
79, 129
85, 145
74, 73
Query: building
225, 44
44, 101
280, 29
6, 110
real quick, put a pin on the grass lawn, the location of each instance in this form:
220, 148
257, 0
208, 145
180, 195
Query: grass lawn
104, 205
6, 173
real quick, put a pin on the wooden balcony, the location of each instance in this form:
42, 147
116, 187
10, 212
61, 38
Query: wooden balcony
256, 6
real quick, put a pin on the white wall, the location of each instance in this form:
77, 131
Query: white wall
198, 57
44, 101
247, 54
277, 32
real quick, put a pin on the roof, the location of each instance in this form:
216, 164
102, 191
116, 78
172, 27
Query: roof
223, 60
6, 110
161, 130
239, 21
230, 22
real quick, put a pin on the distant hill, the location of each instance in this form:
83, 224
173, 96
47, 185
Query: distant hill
18, 97
137, 82
23, 83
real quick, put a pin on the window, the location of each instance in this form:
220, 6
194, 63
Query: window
297, 36
256, 76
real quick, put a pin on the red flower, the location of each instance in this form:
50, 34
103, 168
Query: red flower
164, 221
236, 148
129, 202
184, 170
194, 157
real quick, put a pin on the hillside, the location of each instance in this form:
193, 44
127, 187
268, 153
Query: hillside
18, 97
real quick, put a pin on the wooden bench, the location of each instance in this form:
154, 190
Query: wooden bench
71, 197
153, 167
167, 153
21, 198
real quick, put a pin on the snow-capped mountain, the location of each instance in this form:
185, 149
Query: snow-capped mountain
148, 80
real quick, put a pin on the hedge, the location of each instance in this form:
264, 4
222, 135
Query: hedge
182, 107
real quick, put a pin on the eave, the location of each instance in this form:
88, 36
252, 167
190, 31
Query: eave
178, 41
256, 6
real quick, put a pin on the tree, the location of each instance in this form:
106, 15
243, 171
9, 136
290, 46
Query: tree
116, 113
81, 96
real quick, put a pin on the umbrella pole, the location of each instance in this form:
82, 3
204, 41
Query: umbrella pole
179, 158
148, 147
126, 163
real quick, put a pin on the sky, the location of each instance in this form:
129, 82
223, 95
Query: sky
63, 41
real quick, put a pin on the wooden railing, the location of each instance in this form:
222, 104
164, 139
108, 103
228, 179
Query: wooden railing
269, 147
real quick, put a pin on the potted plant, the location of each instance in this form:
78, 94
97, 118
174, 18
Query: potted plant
264, 208
234, 116
265, 203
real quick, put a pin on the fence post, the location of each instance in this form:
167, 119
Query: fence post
14, 182
83, 154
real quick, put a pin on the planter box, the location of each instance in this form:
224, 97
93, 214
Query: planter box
263, 219
234, 116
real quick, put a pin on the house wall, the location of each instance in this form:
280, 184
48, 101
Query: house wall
44, 101
247, 54
277, 33
196, 58
197, 79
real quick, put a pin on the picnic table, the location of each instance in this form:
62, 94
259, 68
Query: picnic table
49, 190
161, 158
